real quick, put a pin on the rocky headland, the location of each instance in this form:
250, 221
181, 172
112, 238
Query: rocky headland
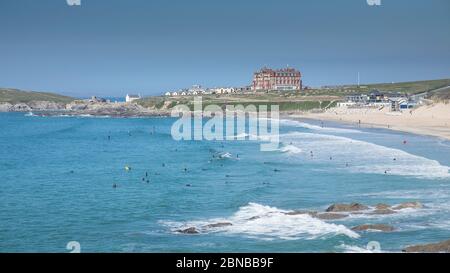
82, 107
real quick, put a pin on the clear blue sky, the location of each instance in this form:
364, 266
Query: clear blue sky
118, 46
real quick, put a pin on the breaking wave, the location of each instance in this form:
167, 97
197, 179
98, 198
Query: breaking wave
295, 123
267, 223
365, 157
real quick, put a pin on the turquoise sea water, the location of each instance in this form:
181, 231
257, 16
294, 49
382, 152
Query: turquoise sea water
57, 176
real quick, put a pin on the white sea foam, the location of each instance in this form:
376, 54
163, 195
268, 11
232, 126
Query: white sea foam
295, 123
30, 114
357, 249
267, 223
291, 149
225, 155
365, 157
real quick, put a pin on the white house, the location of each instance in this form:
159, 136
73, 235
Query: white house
131, 98
167, 94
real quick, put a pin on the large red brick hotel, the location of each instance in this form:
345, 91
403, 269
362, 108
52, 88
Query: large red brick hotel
280, 79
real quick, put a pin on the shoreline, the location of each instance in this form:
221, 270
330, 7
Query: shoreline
431, 120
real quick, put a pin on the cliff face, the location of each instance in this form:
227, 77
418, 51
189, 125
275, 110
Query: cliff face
82, 108
32, 105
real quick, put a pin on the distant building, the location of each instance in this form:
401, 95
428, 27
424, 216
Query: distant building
376, 96
131, 98
196, 89
280, 79
223, 90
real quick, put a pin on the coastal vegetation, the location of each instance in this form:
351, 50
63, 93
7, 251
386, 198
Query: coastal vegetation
14, 96
407, 88
285, 101
306, 100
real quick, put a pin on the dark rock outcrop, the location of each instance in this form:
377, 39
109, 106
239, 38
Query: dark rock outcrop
442, 247
346, 207
378, 227
330, 216
301, 212
382, 206
218, 225
409, 205
383, 211
191, 230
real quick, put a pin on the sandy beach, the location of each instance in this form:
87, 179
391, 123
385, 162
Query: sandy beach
433, 120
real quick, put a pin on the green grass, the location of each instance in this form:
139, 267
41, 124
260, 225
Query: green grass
14, 96
402, 87
304, 100
441, 95
285, 101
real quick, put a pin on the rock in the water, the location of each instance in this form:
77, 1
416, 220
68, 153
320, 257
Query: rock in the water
346, 207
382, 206
301, 212
442, 247
378, 227
330, 216
383, 211
217, 225
409, 205
191, 230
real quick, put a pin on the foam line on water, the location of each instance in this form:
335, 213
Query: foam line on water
364, 157
295, 123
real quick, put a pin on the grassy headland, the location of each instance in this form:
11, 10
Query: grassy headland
14, 96
287, 101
